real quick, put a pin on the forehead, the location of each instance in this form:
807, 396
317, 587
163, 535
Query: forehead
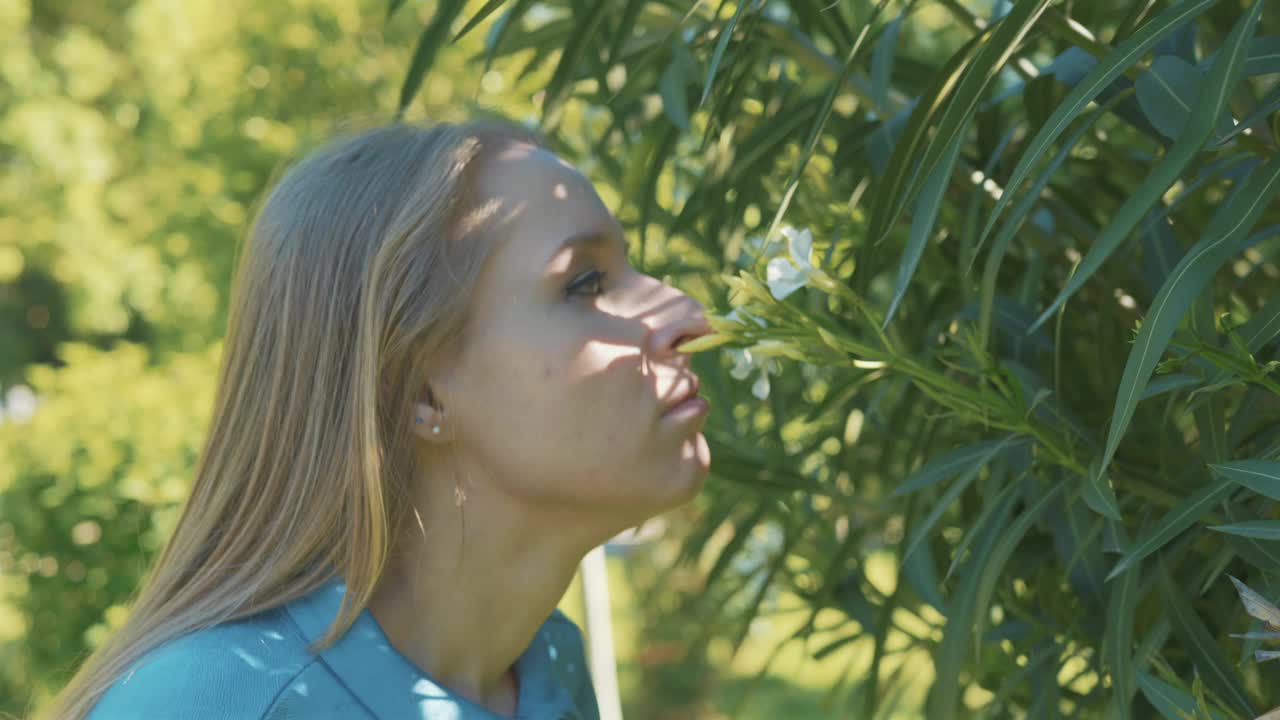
532, 201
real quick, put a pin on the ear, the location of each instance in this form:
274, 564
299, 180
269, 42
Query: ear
429, 414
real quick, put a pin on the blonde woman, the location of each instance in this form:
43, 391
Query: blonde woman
442, 384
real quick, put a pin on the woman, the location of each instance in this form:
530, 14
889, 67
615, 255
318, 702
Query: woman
442, 384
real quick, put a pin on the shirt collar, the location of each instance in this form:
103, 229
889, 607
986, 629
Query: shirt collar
392, 687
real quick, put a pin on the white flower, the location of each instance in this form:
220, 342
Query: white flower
739, 315
785, 275
745, 363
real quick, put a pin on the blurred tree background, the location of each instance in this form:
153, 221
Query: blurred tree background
994, 423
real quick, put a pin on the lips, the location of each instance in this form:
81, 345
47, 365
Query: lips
691, 390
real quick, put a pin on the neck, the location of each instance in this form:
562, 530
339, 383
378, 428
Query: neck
464, 600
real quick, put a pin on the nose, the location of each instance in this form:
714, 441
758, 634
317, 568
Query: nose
681, 319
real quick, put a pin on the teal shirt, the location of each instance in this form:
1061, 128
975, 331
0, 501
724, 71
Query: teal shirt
258, 668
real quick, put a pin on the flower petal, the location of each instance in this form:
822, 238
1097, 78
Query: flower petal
783, 277
742, 362
800, 245
761, 387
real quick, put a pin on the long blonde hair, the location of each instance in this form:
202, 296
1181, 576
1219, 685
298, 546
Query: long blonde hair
355, 278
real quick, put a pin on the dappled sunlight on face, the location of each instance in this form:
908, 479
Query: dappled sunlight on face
570, 361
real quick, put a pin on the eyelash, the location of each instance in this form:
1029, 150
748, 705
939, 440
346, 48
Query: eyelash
595, 276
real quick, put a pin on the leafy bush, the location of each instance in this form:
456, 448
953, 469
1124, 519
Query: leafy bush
995, 292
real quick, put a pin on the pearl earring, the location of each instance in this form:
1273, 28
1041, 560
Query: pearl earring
435, 429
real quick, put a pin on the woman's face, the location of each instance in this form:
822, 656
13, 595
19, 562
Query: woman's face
560, 389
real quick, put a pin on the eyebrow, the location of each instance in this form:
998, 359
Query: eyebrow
588, 239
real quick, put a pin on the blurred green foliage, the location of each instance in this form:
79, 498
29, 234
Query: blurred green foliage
136, 138
996, 294
917, 484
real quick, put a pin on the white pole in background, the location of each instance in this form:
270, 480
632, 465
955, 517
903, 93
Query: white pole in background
600, 654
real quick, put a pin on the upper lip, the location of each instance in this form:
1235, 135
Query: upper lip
691, 390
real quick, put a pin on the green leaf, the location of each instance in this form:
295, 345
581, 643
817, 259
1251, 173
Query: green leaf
991, 269
970, 604
901, 167
1257, 635
392, 6
479, 17
1261, 529
1263, 57
722, 41
1209, 105
626, 23
976, 525
673, 86
661, 154
584, 29
957, 461
741, 530
921, 531
958, 632
882, 63
793, 182
978, 75
1201, 646
1168, 91
493, 42
1260, 476
1099, 495
1256, 605
1167, 383
1232, 220
424, 55
1079, 548
1263, 326
1117, 642
1179, 518
1173, 703
923, 218
1263, 554
1097, 79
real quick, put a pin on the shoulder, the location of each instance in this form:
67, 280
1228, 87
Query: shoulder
570, 662
237, 669
562, 623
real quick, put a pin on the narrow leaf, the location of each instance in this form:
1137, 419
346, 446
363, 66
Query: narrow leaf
903, 162
1263, 58
1256, 605
1208, 106
1171, 702
1232, 220
1263, 326
882, 63
424, 55
1098, 78
1260, 476
1179, 518
955, 462
979, 75
479, 17
1122, 602
1099, 495
959, 629
1201, 646
1257, 635
921, 531
922, 222
722, 41
1261, 529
